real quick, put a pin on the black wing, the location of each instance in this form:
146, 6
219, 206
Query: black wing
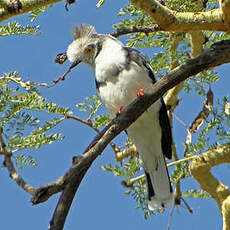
166, 131
138, 57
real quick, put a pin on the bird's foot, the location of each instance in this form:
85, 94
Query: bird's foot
120, 110
140, 92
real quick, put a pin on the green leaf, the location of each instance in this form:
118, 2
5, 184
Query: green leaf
100, 3
196, 193
18, 100
14, 28
36, 12
91, 105
101, 120
21, 160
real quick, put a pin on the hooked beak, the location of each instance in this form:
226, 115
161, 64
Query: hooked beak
75, 63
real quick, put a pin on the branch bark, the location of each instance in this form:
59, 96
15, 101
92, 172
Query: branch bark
218, 54
135, 29
200, 168
226, 213
11, 169
170, 20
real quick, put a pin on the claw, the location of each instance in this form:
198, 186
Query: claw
140, 92
120, 110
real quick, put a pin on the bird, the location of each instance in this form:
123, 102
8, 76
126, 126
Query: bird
121, 75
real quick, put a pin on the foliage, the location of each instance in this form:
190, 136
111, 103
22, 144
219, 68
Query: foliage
22, 160
20, 101
36, 12
14, 28
196, 193
91, 107
100, 3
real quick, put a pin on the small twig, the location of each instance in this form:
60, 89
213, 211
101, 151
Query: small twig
180, 121
89, 124
131, 181
62, 78
85, 122
171, 216
186, 205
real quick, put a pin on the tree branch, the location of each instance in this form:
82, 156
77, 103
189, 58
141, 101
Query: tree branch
17, 7
226, 213
200, 168
16, 177
170, 20
10, 166
218, 54
135, 29
197, 41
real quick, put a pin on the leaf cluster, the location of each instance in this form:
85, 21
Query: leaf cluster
14, 28
138, 191
91, 108
19, 102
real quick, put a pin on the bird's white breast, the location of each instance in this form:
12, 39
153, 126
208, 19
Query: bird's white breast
122, 80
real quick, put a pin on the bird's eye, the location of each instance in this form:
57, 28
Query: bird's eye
89, 49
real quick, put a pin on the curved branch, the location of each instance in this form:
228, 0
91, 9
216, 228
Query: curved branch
170, 20
10, 166
16, 177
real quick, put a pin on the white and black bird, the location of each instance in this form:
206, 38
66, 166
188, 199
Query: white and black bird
122, 74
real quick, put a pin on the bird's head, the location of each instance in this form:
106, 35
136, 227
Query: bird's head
85, 46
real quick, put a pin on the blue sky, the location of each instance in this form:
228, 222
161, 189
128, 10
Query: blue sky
100, 202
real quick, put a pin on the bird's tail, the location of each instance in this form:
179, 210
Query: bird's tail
160, 193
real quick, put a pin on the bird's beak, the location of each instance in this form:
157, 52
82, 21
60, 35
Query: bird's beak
75, 63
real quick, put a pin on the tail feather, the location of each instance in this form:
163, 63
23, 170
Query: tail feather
160, 193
